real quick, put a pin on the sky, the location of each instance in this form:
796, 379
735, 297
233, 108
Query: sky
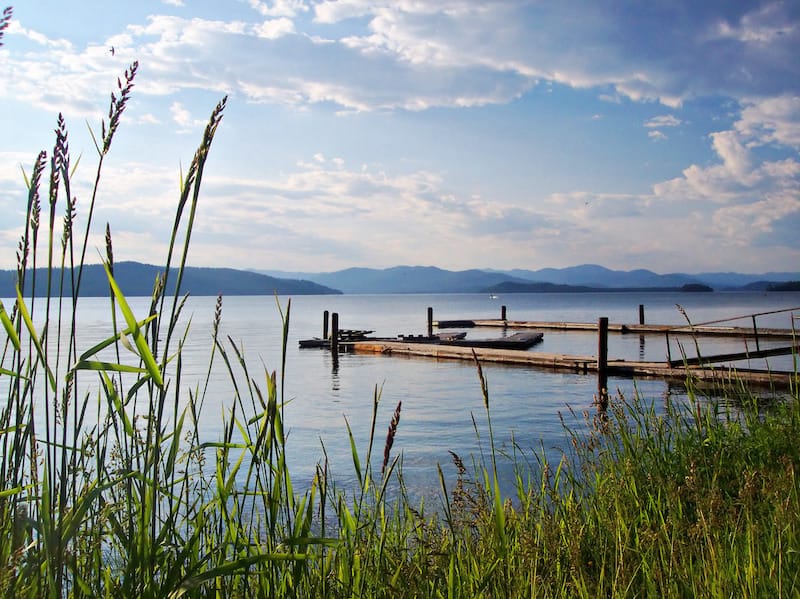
454, 133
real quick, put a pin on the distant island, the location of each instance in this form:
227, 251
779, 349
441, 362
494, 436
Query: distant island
136, 279
574, 279
514, 287
788, 286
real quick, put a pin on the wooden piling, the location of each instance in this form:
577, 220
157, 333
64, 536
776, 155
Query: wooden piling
325, 315
335, 335
669, 353
755, 332
502, 313
430, 321
641, 313
602, 363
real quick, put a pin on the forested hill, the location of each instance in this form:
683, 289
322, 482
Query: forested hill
136, 279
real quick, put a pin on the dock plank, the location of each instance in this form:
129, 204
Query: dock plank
581, 364
642, 329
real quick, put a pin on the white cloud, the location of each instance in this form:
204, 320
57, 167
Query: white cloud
772, 120
360, 56
765, 24
149, 119
665, 120
736, 158
334, 11
741, 176
742, 224
274, 28
183, 118
458, 53
16, 28
279, 8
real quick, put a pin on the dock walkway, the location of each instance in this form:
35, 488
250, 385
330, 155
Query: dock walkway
580, 364
641, 329
706, 369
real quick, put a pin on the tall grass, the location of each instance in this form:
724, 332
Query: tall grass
108, 488
130, 501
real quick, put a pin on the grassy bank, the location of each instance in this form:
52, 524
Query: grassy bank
108, 489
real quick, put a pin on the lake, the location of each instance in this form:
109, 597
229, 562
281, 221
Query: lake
439, 398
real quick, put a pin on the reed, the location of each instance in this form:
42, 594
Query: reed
108, 488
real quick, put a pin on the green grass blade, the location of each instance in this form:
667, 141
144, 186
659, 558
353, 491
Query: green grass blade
12, 373
113, 339
113, 396
233, 567
105, 367
9, 492
141, 342
26, 317
354, 452
9, 327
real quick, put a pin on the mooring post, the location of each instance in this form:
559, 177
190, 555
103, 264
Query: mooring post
335, 335
755, 332
502, 312
669, 354
430, 321
602, 363
641, 313
325, 324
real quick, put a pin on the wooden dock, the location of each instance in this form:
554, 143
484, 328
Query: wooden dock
715, 369
640, 329
581, 364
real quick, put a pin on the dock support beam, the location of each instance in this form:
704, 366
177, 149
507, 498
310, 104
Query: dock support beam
502, 313
325, 315
641, 313
335, 336
755, 333
430, 321
602, 363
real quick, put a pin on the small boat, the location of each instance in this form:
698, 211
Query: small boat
493, 296
315, 342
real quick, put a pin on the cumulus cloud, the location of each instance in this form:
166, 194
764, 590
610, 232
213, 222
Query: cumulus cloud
765, 24
417, 55
279, 8
274, 28
744, 200
360, 56
183, 118
771, 120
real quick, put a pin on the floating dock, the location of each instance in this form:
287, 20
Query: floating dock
705, 372
640, 329
512, 349
520, 341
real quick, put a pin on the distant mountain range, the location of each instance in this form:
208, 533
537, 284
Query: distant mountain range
136, 279
588, 277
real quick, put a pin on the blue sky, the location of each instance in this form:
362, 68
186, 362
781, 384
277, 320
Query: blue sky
455, 133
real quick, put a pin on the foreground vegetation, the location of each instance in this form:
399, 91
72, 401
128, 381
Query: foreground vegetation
108, 488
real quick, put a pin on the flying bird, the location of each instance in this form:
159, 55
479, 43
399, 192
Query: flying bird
111, 49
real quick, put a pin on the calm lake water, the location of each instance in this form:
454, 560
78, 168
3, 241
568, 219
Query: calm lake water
440, 399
